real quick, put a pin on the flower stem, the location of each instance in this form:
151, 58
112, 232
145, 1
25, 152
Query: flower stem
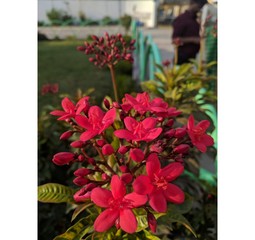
114, 82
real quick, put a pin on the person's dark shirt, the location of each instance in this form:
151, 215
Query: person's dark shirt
186, 25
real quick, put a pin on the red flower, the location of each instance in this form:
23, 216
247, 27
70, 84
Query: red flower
68, 107
139, 131
97, 122
142, 103
197, 134
71, 110
157, 185
118, 206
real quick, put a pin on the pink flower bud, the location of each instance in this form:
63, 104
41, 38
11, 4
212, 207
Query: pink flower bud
180, 132
170, 123
105, 176
132, 42
81, 172
123, 149
77, 144
160, 119
66, 135
63, 158
81, 48
107, 103
116, 105
182, 148
84, 193
124, 169
92, 161
100, 142
80, 181
137, 154
126, 178
81, 158
107, 149
152, 222
170, 133
91, 59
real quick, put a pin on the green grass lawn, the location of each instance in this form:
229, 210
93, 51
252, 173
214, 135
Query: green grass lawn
60, 62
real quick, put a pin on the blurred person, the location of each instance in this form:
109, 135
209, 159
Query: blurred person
186, 32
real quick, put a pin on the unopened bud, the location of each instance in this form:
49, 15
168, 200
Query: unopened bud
180, 132
92, 59
100, 142
92, 161
66, 135
124, 169
170, 123
152, 222
105, 176
81, 172
107, 103
137, 154
170, 133
80, 181
107, 149
81, 48
182, 148
63, 158
123, 149
94, 37
77, 144
116, 105
81, 158
126, 178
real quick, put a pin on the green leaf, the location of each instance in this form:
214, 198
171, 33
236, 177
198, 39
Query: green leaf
176, 217
150, 235
181, 208
80, 208
160, 77
210, 64
184, 68
55, 193
76, 232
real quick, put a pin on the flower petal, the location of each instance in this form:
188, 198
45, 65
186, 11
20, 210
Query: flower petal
57, 113
149, 123
142, 185
101, 197
123, 133
106, 220
158, 201
200, 146
174, 194
83, 121
190, 124
118, 187
95, 114
67, 105
204, 124
152, 134
128, 221
130, 123
88, 135
207, 140
136, 199
152, 165
172, 171
108, 119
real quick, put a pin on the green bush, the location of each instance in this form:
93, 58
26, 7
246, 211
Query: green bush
125, 21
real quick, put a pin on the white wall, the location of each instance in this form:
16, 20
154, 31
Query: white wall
143, 10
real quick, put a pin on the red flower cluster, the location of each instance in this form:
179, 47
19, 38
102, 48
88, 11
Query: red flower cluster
49, 88
108, 50
121, 152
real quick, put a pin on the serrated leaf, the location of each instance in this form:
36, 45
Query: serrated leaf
175, 217
80, 208
55, 193
76, 232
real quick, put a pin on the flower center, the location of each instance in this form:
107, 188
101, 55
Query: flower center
160, 182
120, 203
198, 131
139, 130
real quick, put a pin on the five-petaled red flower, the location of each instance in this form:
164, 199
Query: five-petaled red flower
157, 183
118, 206
197, 134
142, 103
139, 131
96, 122
71, 110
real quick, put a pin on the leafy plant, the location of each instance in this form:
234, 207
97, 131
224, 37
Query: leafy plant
125, 21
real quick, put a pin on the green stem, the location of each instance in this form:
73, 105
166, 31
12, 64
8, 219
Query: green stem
114, 82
